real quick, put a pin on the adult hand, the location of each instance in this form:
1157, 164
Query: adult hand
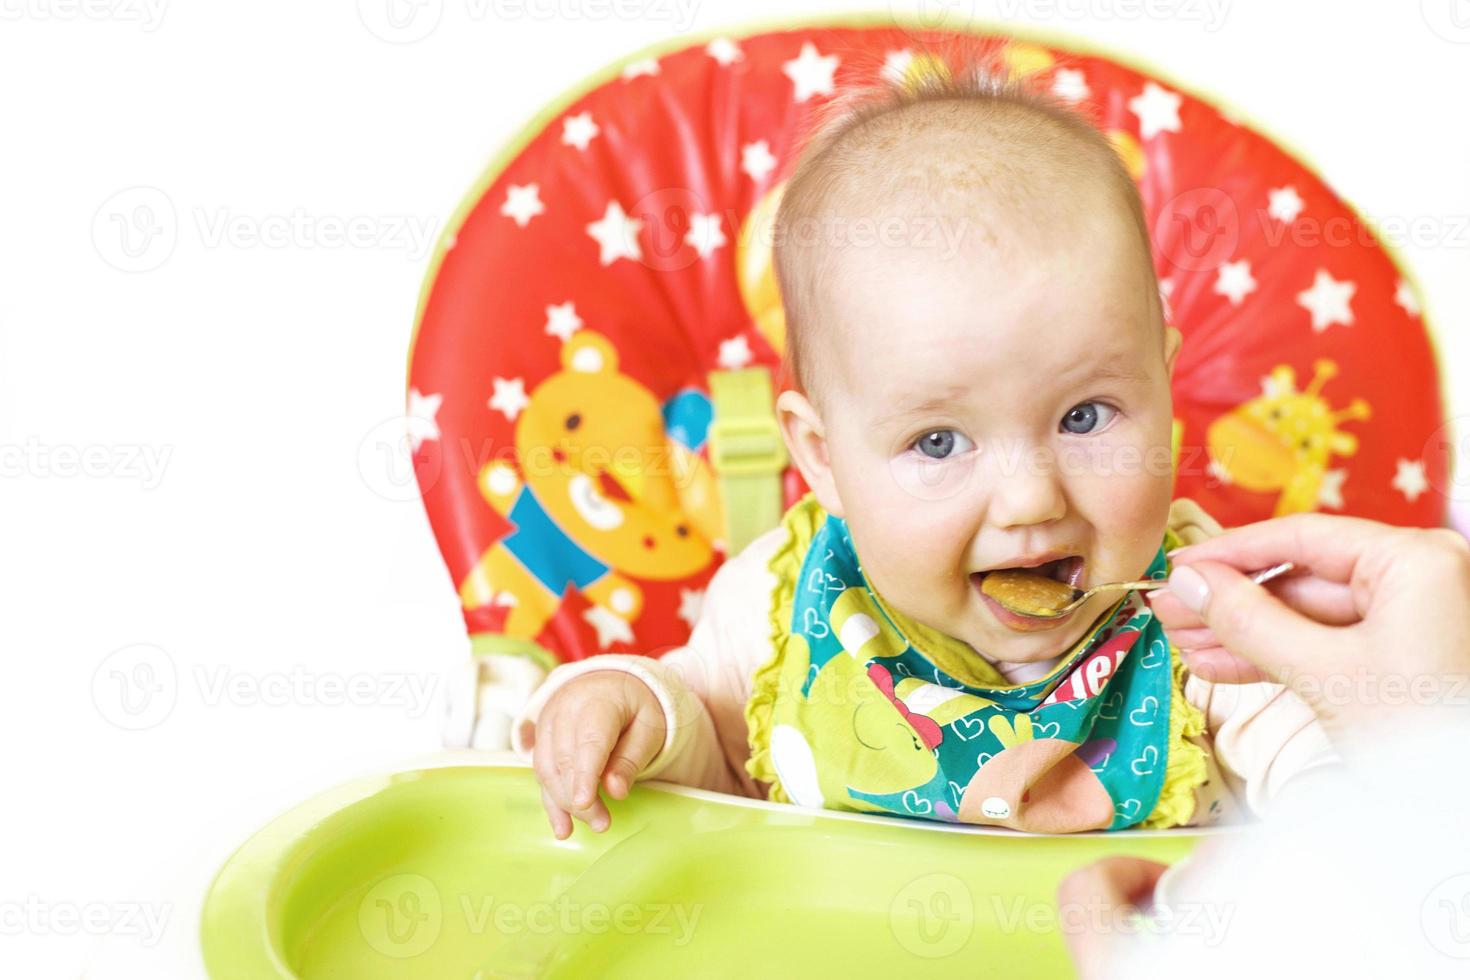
1374, 607
1094, 905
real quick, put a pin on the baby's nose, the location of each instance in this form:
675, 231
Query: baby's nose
1030, 494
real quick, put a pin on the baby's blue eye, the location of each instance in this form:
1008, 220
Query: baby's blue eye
942, 443
1087, 417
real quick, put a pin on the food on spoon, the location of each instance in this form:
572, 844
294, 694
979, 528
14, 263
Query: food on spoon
1026, 592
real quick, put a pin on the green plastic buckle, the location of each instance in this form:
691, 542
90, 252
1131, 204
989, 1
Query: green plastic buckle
745, 446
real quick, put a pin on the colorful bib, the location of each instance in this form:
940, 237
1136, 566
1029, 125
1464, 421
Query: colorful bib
862, 708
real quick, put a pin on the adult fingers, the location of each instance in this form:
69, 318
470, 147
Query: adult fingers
1103, 892
1249, 621
1329, 603
1328, 544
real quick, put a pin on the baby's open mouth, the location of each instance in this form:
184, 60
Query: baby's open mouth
1041, 587
1067, 569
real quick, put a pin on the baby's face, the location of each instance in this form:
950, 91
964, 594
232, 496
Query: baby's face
988, 412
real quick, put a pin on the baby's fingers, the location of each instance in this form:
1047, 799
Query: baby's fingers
594, 816
561, 821
640, 742
597, 726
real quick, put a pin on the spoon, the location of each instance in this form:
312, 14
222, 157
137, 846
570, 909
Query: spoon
1074, 597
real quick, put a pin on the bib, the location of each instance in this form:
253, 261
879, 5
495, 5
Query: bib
861, 708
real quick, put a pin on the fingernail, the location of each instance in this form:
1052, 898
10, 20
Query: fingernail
1189, 587
599, 824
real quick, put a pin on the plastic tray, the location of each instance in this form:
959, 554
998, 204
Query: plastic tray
453, 872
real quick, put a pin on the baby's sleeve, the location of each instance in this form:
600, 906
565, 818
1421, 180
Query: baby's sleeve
1261, 735
702, 686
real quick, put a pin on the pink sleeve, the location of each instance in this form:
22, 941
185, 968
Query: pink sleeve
702, 686
1263, 736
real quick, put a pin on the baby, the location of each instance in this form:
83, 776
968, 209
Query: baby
992, 397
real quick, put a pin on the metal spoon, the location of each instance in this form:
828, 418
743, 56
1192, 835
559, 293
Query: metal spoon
1079, 597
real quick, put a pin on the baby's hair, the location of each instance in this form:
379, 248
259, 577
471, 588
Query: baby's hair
967, 84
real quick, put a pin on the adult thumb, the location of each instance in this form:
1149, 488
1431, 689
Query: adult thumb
1248, 621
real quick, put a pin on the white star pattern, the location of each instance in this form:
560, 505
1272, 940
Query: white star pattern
562, 321
725, 51
756, 160
1407, 298
510, 397
609, 625
644, 66
734, 354
1157, 110
578, 130
810, 72
705, 234
1235, 281
1330, 493
1329, 301
896, 65
522, 203
616, 234
1285, 204
1409, 479
1070, 84
690, 603
422, 423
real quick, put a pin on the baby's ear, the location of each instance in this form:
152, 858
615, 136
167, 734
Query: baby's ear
1173, 340
806, 441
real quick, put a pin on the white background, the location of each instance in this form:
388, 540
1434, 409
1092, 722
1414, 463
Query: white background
229, 400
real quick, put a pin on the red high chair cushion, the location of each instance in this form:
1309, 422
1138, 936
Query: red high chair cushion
614, 256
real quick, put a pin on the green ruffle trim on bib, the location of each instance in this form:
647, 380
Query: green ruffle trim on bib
1185, 771
801, 521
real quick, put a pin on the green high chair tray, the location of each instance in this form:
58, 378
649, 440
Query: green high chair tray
454, 872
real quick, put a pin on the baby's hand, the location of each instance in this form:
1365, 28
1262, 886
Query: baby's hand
602, 726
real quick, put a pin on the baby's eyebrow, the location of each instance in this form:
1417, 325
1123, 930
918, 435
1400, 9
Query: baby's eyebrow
1119, 373
934, 403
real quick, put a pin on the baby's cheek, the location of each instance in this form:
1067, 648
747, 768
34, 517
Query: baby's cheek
1127, 508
